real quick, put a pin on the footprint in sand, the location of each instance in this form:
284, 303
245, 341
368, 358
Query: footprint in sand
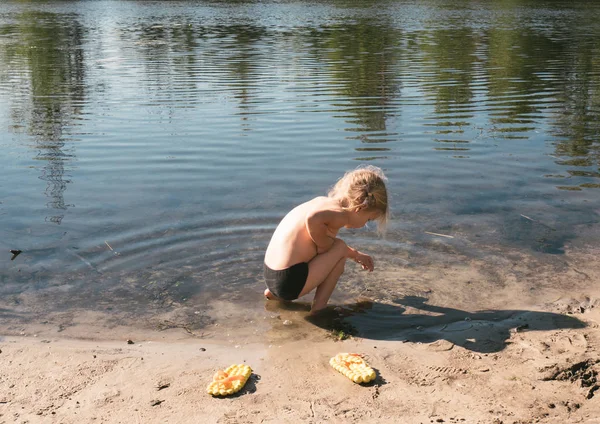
440, 346
584, 372
428, 375
555, 344
572, 343
447, 370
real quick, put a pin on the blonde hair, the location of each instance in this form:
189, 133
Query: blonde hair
365, 186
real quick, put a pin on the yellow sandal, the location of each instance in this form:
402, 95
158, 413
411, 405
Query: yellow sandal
353, 366
230, 381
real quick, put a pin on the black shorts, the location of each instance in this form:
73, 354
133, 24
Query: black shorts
286, 284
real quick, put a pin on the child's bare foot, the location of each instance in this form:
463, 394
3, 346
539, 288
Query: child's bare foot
270, 295
316, 311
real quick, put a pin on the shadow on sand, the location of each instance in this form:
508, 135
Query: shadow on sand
482, 331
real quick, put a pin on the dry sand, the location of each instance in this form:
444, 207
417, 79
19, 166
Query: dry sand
488, 341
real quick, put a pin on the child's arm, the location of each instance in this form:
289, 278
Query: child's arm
364, 260
317, 224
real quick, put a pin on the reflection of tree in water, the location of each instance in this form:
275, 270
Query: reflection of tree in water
515, 60
241, 57
169, 60
543, 70
450, 55
363, 58
179, 58
360, 54
48, 94
577, 124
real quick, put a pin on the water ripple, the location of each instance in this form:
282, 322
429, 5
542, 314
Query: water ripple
179, 134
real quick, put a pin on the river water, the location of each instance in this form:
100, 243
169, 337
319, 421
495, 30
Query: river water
149, 149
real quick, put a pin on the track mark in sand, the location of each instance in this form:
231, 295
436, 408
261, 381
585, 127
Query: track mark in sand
570, 343
107, 396
581, 273
574, 306
448, 370
351, 413
427, 375
83, 375
375, 394
586, 372
557, 345
228, 418
421, 374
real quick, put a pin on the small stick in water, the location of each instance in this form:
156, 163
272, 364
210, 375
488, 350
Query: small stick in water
437, 234
541, 223
111, 249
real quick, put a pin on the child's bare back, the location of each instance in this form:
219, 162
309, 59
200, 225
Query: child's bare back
305, 252
291, 243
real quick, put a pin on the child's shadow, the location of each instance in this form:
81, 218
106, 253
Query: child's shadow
482, 331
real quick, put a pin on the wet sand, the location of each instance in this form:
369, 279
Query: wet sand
502, 338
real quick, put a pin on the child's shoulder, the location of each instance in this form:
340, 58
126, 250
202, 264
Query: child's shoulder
323, 203
326, 209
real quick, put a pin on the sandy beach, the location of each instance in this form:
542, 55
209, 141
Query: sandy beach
540, 376
523, 358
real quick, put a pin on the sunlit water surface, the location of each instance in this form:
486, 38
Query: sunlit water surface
149, 149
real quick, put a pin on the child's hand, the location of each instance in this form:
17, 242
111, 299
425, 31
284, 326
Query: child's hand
365, 261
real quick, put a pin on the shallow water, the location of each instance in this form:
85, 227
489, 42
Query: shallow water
149, 149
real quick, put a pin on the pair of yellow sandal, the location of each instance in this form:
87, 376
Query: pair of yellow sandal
231, 380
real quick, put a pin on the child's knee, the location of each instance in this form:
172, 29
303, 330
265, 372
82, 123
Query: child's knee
339, 245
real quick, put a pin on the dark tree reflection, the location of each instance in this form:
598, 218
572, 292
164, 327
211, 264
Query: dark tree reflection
363, 59
48, 96
577, 123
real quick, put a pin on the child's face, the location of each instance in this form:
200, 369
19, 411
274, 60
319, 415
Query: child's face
360, 218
